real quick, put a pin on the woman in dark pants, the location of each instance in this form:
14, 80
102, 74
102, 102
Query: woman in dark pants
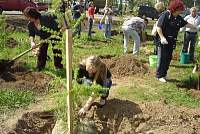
92, 71
167, 29
36, 22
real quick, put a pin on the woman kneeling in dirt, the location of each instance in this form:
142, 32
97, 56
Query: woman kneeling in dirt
95, 72
36, 22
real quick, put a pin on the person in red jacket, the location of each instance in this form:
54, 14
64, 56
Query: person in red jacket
91, 11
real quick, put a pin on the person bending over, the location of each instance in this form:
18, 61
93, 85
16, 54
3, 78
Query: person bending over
36, 22
95, 72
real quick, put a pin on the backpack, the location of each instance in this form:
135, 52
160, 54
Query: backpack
154, 30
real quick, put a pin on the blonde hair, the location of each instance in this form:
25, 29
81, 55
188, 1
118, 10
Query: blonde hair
94, 61
160, 7
90, 3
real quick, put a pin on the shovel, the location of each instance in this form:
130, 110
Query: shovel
11, 62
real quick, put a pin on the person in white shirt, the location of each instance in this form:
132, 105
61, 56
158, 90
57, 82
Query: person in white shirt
190, 35
130, 28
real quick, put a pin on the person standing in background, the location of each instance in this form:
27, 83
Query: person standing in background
190, 35
91, 20
108, 21
77, 14
130, 28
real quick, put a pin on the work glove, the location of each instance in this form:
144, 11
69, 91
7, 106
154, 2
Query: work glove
93, 21
164, 41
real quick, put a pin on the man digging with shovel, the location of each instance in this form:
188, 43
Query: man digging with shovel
35, 27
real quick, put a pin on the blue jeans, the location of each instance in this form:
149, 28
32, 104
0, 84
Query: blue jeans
108, 27
77, 30
129, 32
107, 85
188, 37
90, 26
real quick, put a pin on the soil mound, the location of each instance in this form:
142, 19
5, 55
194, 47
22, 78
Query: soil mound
35, 123
19, 78
126, 117
125, 65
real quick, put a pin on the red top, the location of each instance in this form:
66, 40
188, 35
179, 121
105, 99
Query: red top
91, 11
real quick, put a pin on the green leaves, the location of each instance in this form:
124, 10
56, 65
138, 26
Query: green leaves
11, 100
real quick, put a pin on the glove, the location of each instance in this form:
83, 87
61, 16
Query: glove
93, 21
180, 35
164, 41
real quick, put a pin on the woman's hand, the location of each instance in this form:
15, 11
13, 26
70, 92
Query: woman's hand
33, 45
82, 111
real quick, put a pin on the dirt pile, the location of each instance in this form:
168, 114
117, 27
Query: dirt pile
125, 65
122, 116
35, 123
19, 78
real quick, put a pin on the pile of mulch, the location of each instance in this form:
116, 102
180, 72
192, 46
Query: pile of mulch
125, 65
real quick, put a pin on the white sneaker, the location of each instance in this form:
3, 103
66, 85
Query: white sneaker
127, 51
162, 80
167, 78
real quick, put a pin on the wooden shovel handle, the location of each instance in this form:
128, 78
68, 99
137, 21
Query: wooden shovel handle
25, 52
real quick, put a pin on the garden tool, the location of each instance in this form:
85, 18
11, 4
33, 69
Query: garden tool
11, 62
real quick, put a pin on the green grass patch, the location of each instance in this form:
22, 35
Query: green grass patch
11, 100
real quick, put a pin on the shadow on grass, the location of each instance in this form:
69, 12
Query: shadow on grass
182, 66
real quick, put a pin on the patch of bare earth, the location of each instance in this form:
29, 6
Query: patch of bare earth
18, 78
126, 117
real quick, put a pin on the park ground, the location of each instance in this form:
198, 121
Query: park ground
137, 103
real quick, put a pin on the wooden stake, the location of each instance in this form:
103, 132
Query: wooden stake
69, 79
107, 2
